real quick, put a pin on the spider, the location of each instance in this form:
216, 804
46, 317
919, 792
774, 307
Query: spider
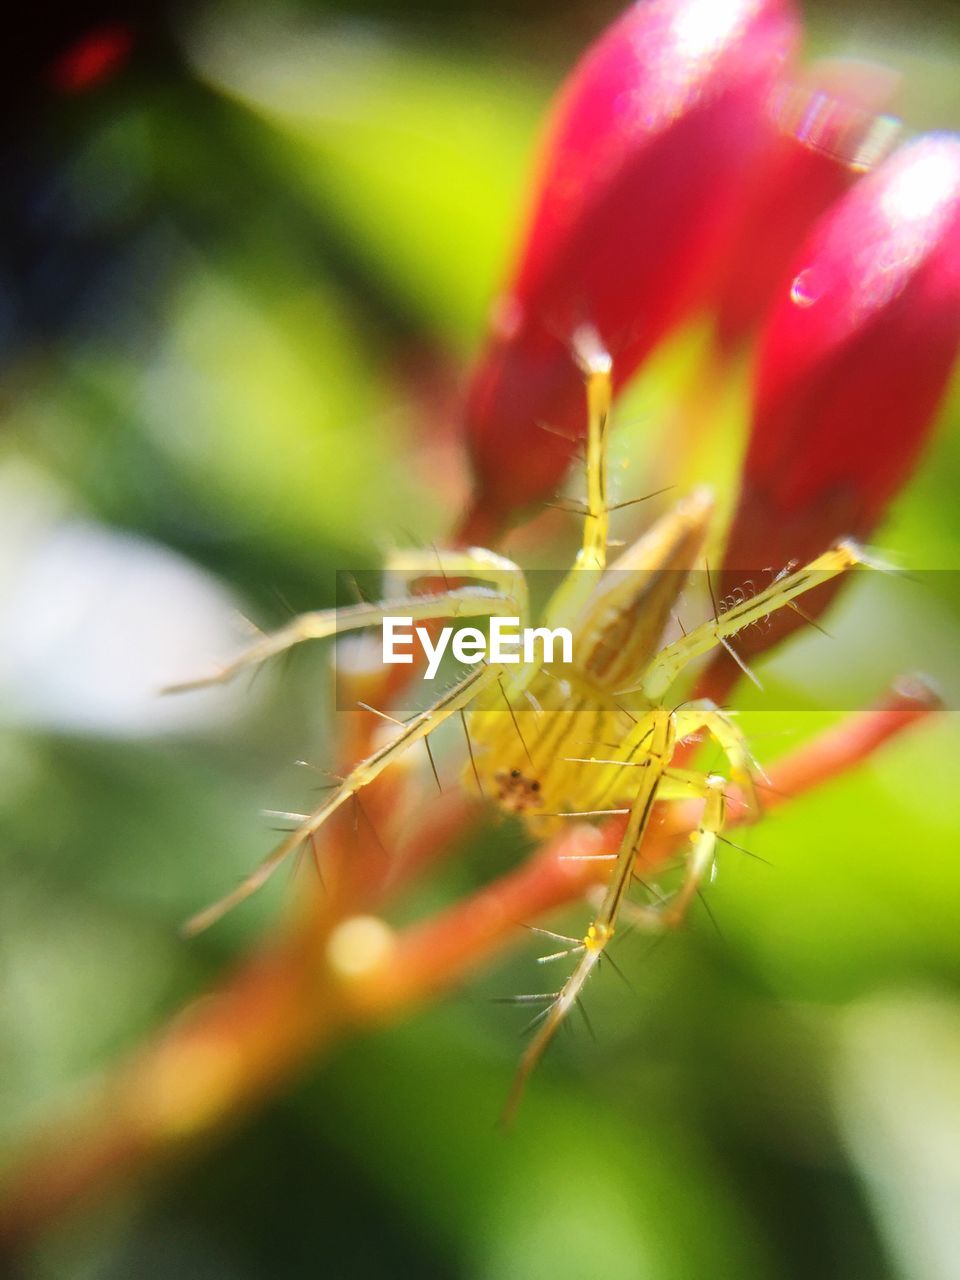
598, 736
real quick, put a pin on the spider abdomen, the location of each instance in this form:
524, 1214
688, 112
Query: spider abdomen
530, 759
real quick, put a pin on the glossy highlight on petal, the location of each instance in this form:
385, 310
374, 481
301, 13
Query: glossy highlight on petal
639, 187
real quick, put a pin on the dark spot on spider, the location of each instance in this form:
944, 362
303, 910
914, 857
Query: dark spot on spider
516, 793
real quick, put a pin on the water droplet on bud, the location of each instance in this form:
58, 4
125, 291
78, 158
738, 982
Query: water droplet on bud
805, 291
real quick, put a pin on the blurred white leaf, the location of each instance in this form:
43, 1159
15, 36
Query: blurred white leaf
93, 623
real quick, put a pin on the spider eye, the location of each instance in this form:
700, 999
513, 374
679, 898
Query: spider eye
514, 773
534, 786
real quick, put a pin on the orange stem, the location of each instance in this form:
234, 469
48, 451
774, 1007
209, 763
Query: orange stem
228, 1051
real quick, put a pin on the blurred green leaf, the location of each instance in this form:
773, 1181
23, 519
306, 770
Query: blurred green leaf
419, 153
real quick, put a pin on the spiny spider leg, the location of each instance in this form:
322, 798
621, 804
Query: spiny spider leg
700, 858
591, 560
665, 915
506, 598
670, 661
405, 566
359, 777
596, 365
729, 737
601, 930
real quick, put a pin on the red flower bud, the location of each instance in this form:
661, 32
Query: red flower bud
830, 134
853, 366
639, 188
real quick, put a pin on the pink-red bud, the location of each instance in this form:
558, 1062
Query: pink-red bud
853, 366
639, 188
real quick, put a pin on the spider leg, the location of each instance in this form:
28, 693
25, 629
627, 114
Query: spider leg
404, 567
703, 848
604, 924
458, 602
729, 737
671, 660
359, 777
596, 365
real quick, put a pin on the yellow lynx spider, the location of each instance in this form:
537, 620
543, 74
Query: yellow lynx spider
598, 737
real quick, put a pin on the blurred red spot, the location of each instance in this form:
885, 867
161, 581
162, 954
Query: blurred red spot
93, 58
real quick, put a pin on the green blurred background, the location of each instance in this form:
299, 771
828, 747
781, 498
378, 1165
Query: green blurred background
241, 281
